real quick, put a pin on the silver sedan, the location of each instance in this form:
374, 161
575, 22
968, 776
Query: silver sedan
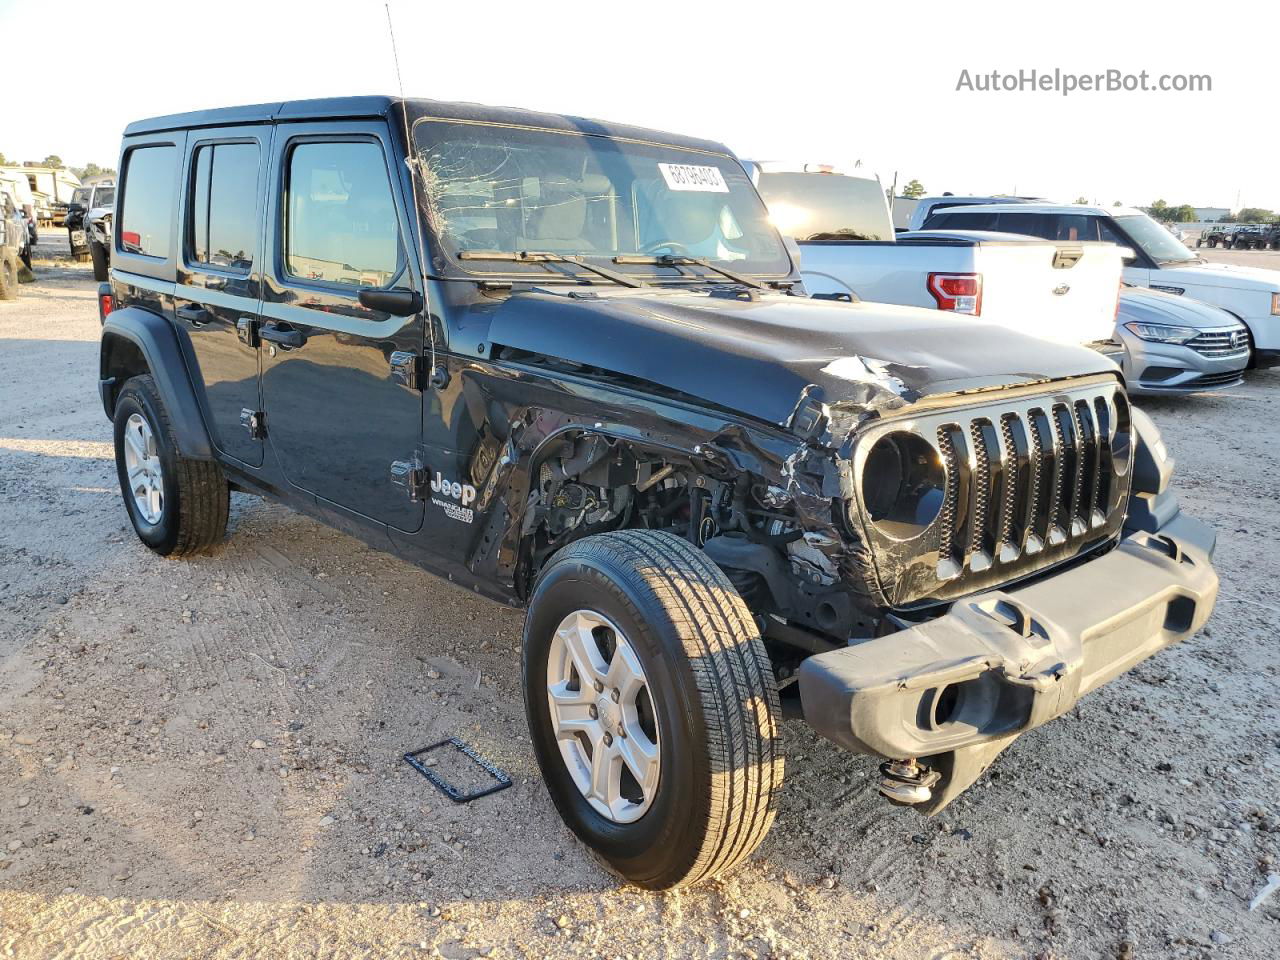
1175, 345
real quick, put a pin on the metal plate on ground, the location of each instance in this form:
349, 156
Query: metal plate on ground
501, 779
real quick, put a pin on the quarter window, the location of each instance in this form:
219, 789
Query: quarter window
340, 222
222, 226
146, 214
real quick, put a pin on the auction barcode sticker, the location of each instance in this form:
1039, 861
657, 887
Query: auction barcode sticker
687, 176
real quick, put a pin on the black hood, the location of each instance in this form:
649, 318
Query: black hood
758, 356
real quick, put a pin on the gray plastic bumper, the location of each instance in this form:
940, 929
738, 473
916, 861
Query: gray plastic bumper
958, 689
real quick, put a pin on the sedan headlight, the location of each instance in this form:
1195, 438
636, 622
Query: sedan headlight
1161, 332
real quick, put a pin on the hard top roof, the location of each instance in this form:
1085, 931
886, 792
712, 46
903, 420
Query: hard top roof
379, 106
1062, 208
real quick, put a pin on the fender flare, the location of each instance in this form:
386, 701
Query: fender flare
157, 342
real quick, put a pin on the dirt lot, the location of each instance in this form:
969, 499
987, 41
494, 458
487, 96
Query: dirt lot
201, 758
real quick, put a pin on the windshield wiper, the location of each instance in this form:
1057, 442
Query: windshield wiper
670, 260
546, 256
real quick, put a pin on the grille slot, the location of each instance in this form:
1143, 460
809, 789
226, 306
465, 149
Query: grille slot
1232, 342
1018, 483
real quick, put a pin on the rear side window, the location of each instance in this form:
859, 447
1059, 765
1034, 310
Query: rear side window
222, 227
146, 215
961, 221
340, 221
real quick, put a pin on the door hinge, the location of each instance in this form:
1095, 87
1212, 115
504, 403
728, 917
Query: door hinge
255, 421
410, 370
247, 331
412, 475
406, 369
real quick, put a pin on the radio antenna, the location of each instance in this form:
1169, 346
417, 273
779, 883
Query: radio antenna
411, 161
395, 55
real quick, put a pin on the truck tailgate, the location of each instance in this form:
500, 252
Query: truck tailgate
1057, 291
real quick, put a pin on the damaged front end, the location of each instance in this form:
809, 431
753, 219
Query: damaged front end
933, 548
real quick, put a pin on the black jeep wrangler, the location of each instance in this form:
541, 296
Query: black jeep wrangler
569, 365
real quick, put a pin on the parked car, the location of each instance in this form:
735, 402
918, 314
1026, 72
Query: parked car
1175, 345
1249, 236
1217, 234
927, 206
1271, 238
85, 200
569, 364
1064, 292
97, 228
24, 228
13, 246
1156, 260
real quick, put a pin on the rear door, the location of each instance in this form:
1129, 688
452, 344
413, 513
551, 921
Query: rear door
335, 417
219, 287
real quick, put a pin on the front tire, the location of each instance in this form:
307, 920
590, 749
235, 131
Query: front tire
635, 640
8, 277
98, 254
177, 506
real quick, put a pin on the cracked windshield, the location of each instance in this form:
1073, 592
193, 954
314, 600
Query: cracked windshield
495, 192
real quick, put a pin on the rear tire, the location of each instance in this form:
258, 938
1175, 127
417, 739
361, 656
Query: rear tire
712, 696
186, 510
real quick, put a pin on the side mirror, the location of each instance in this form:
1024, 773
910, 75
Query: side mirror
398, 302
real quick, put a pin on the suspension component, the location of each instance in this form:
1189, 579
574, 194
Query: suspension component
906, 782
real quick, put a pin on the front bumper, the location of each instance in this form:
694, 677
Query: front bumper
1152, 369
957, 690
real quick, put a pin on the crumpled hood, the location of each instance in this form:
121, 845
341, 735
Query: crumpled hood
757, 357
1231, 275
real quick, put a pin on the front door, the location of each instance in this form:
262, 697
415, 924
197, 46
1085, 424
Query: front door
335, 417
219, 287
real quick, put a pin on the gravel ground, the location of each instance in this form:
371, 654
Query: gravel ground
201, 758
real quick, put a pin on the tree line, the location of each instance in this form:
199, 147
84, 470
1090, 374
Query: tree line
86, 172
1185, 213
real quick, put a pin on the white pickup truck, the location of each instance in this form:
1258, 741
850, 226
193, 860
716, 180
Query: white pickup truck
1155, 259
1065, 292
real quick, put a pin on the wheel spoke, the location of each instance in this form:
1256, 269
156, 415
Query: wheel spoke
625, 673
155, 501
641, 758
571, 712
606, 771
136, 444
578, 640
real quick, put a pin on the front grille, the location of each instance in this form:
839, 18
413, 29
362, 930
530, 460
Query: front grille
1028, 482
1226, 342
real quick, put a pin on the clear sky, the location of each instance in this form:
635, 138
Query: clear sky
834, 82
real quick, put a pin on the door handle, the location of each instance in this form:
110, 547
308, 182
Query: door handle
195, 315
282, 335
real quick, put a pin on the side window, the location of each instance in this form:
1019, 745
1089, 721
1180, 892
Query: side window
1026, 224
961, 221
222, 229
340, 219
146, 213
1108, 234
1073, 227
